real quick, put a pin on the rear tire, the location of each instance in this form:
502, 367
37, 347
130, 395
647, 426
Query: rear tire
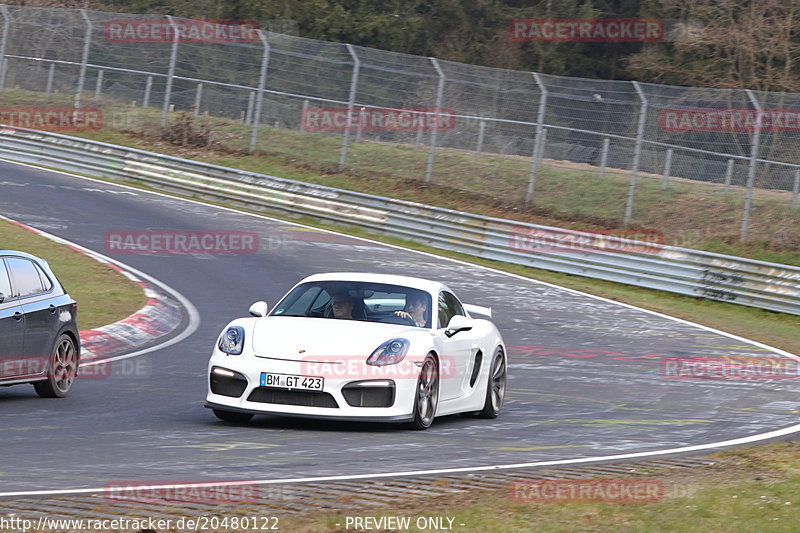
426, 400
62, 368
232, 416
495, 386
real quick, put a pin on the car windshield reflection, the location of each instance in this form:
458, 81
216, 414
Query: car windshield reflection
355, 300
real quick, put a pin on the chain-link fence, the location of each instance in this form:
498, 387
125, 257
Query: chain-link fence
522, 138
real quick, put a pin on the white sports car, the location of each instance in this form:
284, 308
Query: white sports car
364, 347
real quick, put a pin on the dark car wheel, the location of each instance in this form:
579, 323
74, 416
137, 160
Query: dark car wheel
495, 386
427, 397
232, 416
61, 370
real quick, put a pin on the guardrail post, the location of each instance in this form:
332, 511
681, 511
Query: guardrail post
87, 43
728, 176
198, 99
604, 157
538, 145
481, 133
637, 153
667, 169
796, 188
99, 87
3, 42
262, 82
434, 130
51, 72
751, 169
350, 103
173, 56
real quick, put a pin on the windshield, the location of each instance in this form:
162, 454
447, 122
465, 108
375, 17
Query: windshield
357, 300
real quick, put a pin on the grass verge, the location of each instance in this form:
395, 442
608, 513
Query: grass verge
103, 294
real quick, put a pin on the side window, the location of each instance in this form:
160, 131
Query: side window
46, 283
26, 277
5, 283
449, 306
454, 304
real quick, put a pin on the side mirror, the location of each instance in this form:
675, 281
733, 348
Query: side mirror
259, 309
2, 297
458, 323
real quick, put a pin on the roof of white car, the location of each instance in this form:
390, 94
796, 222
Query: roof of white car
405, 281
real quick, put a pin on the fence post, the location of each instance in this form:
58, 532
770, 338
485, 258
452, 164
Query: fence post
51, 72
303, 114
667, 169
87, 42
434, 130
251, 102
147, 89
481, 133
637, 153
360, 129
604, 157
99, 87
3, 42
418, 138
796, 188
728, 176
751, 169
170, 72
537, 143
350, 103
262, 82
198, 99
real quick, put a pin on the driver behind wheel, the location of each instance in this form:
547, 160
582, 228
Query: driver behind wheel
415, 309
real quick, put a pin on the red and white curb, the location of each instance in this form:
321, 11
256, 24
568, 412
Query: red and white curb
164, 312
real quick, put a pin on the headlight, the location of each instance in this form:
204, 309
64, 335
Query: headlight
390, 352
232, 340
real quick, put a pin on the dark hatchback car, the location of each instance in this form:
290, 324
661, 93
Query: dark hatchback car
39, 340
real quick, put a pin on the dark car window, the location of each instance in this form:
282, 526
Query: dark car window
26, 277
449, 306
5, 283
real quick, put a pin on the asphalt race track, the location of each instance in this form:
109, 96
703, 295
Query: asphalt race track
585, 378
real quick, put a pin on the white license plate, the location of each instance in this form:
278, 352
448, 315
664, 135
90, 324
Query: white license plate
290, 381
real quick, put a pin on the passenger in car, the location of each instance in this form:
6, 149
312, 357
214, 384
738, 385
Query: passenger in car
347, 307
415, 309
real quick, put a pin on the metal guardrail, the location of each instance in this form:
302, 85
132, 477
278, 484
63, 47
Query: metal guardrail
771, 286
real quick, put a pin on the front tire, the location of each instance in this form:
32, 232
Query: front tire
495, 386
427, 398
232, 416
62, 369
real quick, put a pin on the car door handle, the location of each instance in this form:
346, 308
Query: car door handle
18, 316
52, 309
